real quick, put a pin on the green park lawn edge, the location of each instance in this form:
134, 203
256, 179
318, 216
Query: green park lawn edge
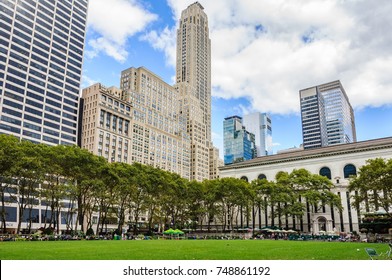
186, 250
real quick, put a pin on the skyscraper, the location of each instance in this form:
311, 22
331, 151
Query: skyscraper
137, 123
327, 116
260, 125
193, 81
41, 54
238, 143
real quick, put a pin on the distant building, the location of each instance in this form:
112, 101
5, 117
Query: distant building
327, 116
290, 150
260, 125
239, 144
215, 163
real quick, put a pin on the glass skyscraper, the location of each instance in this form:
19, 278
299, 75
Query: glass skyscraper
238, 143
327, 116
260, 125
41, 55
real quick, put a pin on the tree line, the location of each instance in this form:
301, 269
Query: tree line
79, 185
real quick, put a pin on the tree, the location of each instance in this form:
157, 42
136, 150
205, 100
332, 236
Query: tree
290, 193
315, 189
211, 196
265, 195
293, 184
124, 190
105, 193
257, 199
140, 197
54, 188
29, 172
9, 157
233, 194
373, 185
82, 168
173, 199
196, 203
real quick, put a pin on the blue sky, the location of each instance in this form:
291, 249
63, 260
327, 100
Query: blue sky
263, 53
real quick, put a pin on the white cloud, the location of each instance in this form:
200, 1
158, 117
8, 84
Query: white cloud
164, 42
268, 50
102, 44
87, 81
114, 25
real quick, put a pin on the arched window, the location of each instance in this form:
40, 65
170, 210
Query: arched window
325, 171
261, 176
349, 170
244, 178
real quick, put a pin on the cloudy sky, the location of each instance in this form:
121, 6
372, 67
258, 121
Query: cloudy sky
263, 53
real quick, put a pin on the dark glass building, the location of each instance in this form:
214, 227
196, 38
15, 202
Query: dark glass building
239, 144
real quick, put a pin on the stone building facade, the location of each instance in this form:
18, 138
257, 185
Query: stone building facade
336, 162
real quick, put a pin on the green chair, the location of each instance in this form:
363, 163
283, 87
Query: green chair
372, 253
389, 252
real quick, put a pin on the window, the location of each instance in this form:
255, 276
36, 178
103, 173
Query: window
245, 178
261, 176
10, 213
326, 172
349, 170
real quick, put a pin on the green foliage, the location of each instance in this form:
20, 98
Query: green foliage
115, 189
89, 232
288, 195
48, 231
373, 185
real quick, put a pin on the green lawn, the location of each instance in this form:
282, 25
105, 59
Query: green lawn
185, 250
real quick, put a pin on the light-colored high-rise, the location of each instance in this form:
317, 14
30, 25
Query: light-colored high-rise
215, 163
41, 55
138, 123
327, 116
193, 81
260, 125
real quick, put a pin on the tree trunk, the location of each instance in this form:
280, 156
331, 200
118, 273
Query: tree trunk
3, 217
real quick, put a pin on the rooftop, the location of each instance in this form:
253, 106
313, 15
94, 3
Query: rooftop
356, 147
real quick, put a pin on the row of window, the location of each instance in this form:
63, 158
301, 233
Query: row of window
348, 170
11, 215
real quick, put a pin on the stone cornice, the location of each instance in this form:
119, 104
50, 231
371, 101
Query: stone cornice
357, 147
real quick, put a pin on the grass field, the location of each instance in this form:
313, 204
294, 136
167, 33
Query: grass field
186, 250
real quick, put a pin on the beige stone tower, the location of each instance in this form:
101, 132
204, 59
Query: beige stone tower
193, 81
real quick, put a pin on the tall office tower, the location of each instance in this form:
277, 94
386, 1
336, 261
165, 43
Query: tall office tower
137, 123
260, 125
193, 81
238, 143
41, 54
327, 116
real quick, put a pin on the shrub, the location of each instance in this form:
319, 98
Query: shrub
48, 231
89, 232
